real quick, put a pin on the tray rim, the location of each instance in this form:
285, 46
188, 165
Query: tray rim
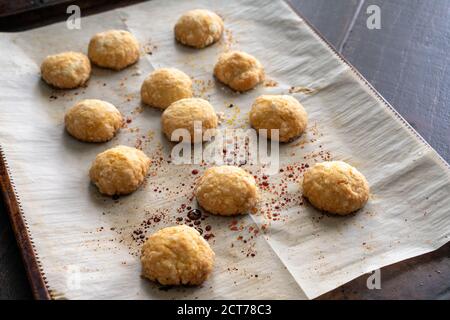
33, 267
35, 272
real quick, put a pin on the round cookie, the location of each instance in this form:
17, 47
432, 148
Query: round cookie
198, 28
93, 120
185, 113
165, 86
113, 49
239, 70
66, 70
280, 112
335, 187
177, 256
120, 170
227, 191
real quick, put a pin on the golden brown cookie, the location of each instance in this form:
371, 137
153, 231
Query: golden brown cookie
335, 187
93, 120
113, 49
239, 70
198, 28
185, 113
165, 86
120, 170
280, 112
66, 70
227, 191
177, 256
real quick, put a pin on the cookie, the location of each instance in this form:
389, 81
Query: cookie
93, 120
185, 114
66, 70
113, 49
239, 70
177, 256
279, 112
165, 86
198, 28
227, 191
335, 187
119, 170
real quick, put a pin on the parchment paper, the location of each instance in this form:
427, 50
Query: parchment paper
89, 245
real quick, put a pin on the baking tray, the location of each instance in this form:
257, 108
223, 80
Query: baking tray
398, 286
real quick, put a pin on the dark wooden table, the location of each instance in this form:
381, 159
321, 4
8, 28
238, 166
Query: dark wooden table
407, 61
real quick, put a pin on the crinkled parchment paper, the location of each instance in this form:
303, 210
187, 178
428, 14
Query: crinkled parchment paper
89, 245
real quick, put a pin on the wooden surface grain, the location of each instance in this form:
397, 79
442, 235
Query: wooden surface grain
407, 62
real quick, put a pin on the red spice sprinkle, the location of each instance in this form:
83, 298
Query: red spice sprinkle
194, 214
208, 236
195, 171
